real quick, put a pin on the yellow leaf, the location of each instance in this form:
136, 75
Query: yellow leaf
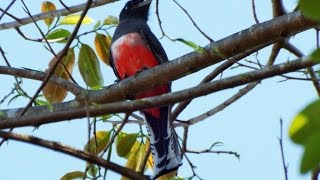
48, 6
102, 44
74, 18
168, 176
136, 158
53, 93
306, 123
98, 142
150, 159
111, 20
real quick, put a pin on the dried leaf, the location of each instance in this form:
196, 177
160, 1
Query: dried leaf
53, 93
98, 143
48, 6
102, 44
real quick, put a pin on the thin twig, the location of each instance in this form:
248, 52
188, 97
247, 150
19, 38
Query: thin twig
10, 15
56, 13
193, 22
145, 161
181, 106
7, 8
63, 52
185, 139
214, 152
254, 11
194, 174
64, 5
274, 53
221, 106
25, 37
285, 167
124, 121
158, 18
291, 48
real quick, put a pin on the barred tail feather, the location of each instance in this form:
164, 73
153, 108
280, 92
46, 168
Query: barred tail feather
164, 144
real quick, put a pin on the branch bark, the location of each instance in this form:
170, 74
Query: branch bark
60, 12
259, 35
37, 75
56, 146
38, 119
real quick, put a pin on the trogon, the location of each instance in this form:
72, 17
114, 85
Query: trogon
135, 48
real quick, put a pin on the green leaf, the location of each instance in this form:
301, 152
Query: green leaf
193, 45
58, 35
73, 175
97, 25
14, 98
111, 20
98, 142
74, 18
311, 155
315, 55
306, 123
92, 169
44, 103
310, 8
105, 118
124, 143
89, 67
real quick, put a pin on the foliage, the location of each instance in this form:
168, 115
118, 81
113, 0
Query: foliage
133, 147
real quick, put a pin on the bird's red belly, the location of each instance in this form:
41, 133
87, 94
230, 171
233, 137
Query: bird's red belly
132, 55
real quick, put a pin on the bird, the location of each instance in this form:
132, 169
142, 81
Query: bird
134, 48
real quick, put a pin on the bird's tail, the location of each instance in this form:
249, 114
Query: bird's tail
164, 144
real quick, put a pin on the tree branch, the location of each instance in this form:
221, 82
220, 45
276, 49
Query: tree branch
37, 75
64, 51
60, 12
291, 48
166, 99
56, 146
257, 36
181, 106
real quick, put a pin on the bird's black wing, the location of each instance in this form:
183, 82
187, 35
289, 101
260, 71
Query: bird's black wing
154, 44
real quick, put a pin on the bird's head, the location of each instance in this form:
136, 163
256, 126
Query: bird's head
135, 9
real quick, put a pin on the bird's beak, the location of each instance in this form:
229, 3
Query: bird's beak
144, 3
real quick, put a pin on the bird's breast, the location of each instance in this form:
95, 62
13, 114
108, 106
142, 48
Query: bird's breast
131, 54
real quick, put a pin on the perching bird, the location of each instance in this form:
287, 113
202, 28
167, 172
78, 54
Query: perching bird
135, 48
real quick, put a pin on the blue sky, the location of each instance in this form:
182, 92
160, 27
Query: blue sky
249, 127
